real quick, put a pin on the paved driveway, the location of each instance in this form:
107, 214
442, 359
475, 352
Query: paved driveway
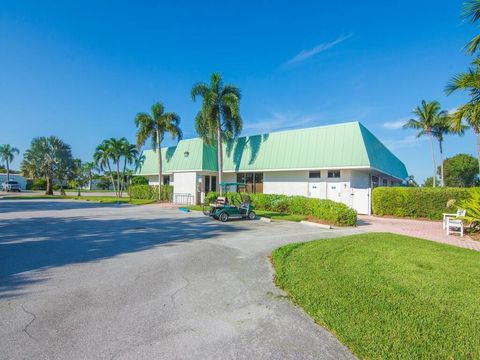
85, 281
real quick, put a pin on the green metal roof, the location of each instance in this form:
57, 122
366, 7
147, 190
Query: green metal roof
333, 146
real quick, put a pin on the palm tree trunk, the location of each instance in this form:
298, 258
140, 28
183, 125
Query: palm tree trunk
442, 178
118, 178
90, 182
8, 171
159, 154
123, 176
111, 176
433, 159
478, 148
49, 190
219, 158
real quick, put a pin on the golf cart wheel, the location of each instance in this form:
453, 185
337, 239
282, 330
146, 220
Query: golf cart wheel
252, 215
223, 217
206, 210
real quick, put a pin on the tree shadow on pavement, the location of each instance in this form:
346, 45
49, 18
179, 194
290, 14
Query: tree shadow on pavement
28, 246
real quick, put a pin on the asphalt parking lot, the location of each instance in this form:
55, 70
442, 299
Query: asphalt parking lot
85, 280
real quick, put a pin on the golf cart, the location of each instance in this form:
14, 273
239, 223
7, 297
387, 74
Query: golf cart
239, 207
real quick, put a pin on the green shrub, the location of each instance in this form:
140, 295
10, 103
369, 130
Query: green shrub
149, 192
472, 206
412, 202
327, 210
38, 184
139, 180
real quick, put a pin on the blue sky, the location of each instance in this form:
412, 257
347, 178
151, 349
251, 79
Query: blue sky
82, 70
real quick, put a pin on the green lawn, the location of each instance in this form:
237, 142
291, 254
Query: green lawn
101, 199
388, 296
268, 214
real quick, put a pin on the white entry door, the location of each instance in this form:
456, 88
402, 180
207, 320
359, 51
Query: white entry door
314, 190
334, 192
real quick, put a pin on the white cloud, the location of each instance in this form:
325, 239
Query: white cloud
306, 54
407, 141
279, 121
394, 125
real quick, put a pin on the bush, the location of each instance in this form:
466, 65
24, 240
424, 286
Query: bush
38, 184
428, 203
327, 210
149, 192
472, 206
139, 180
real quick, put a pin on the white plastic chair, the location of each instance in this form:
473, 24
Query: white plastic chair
459, 213
454, 224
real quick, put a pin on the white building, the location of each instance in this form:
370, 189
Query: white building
340, 162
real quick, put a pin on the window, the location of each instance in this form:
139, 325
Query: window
214, 183
166, 180
314, 175
384, 182
334, 174
254, 181
207, 183
374, 181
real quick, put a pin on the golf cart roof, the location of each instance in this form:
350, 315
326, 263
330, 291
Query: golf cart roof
232, 184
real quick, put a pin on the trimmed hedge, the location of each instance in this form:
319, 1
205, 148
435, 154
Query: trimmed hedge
149, 192
327, 210
417, 202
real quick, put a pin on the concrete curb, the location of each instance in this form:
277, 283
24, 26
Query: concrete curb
323, 226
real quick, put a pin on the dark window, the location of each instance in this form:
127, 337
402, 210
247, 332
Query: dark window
384, 182
374, 181
241, 177
207, 183
334, 174
314, 175
214, 183
166, 180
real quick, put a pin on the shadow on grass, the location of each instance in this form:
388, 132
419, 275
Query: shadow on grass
29, 246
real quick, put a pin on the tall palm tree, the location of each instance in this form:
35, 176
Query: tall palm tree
155, 126
468, 116
471, 12
427, 115
116, 149
101, 157
130, 154
7, 154
443, 126
470, 112
219, 118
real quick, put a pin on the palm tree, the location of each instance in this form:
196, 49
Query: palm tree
470, 112
155, 126
219, 118
471, 11
7, 154
101, 157
427, 114
49, 158
129, 153
441, 127
89, 168
116, 149
468, 116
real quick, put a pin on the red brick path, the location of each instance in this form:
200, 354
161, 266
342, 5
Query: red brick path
429, 230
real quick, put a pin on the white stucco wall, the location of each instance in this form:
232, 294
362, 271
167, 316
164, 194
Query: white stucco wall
185, 183
286, 182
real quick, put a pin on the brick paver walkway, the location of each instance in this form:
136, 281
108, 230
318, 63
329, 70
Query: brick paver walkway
429, 230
